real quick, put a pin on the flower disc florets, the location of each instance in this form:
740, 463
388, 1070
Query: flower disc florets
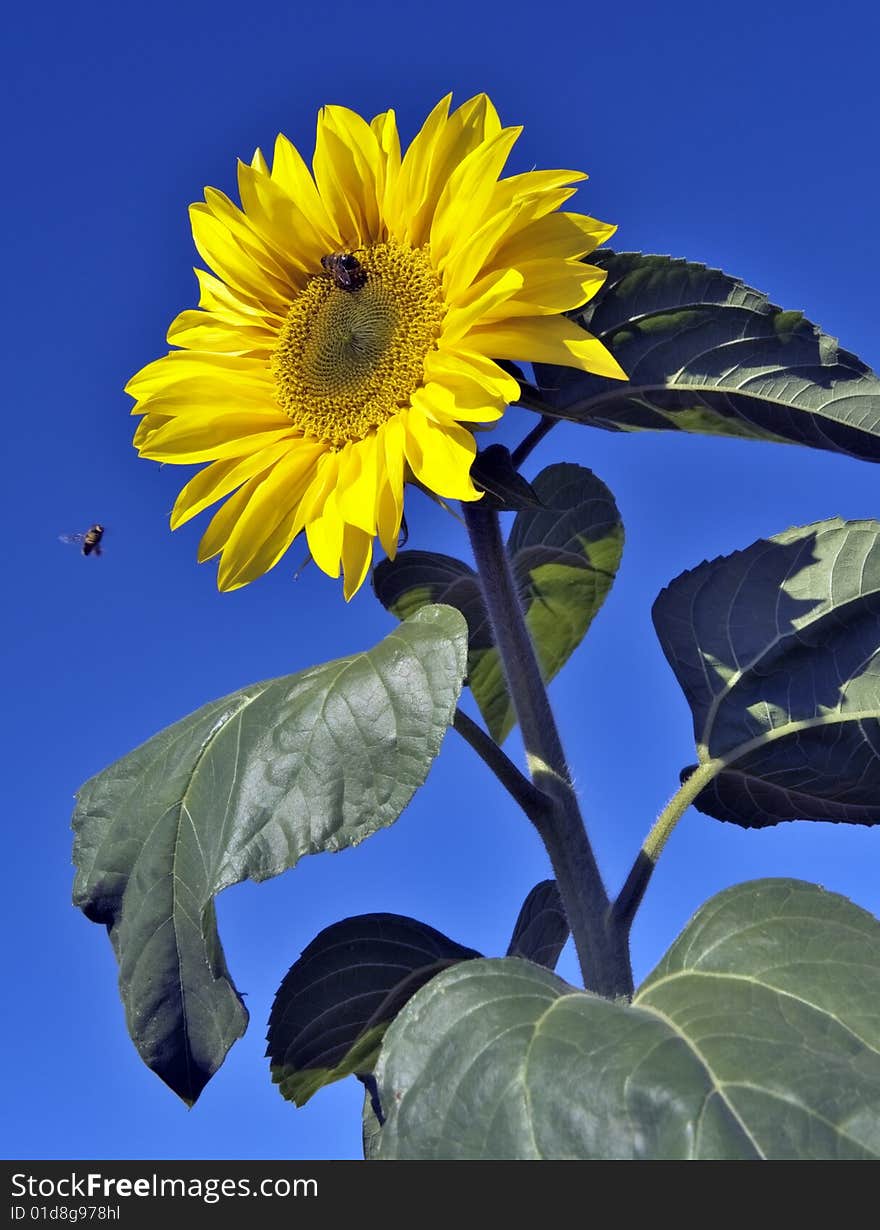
347, 360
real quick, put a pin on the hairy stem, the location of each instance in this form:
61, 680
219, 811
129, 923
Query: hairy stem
522, 790
601, 946
529, 443
624, 909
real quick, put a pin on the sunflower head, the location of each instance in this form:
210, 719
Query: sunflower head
348, 338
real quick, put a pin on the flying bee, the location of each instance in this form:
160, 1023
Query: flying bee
90, 541
345, 270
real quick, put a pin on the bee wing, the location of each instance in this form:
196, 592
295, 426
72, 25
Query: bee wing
75, 538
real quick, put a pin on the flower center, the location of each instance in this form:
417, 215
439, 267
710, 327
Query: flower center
347, 360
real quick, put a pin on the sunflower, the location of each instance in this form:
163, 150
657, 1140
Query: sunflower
347, 341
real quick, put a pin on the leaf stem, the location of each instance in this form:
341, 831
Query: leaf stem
529, 443
522, 790
601, 946
630, 897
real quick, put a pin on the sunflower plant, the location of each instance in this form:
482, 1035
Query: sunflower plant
361, 326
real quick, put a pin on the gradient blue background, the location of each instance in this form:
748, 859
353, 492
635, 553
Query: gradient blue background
740, 135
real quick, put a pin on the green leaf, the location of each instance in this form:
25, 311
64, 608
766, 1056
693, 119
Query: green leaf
494, 473
335, 1003
417, 578
777, 649
565, 557
371, 1124
541, 929
565, 554
242, 789
757, 1036
705, 353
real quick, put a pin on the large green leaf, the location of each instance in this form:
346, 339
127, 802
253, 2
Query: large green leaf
706, 353
242, 789
777, 649
335, 1003
565, 553
757, 1036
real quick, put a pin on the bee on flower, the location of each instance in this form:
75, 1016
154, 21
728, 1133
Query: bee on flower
348, 340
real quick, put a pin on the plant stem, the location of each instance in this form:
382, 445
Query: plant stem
624, 909
522, 790
601, 946
529, 443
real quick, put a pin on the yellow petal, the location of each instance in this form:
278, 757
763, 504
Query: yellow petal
522, 200
325, 537
223, 522
356, 492
443, 143
465, 263
228, 259
546, 339
204, 396
357, 552
291, 174
184, 365
284, 224
479, 114
564, 236
215, 296
389, 514
385, 128
278, 271
320, 489
360, 166
221, 477
461, 401
258, 162
197, 330
341, 164
391, 464
265, 527
464, 201
550, 287
529, 207
440, 457
480, 299
448, 365
529, 183
186, 439
268, 552
149, 424
413, 178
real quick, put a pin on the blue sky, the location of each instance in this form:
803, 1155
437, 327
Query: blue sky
741, 136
